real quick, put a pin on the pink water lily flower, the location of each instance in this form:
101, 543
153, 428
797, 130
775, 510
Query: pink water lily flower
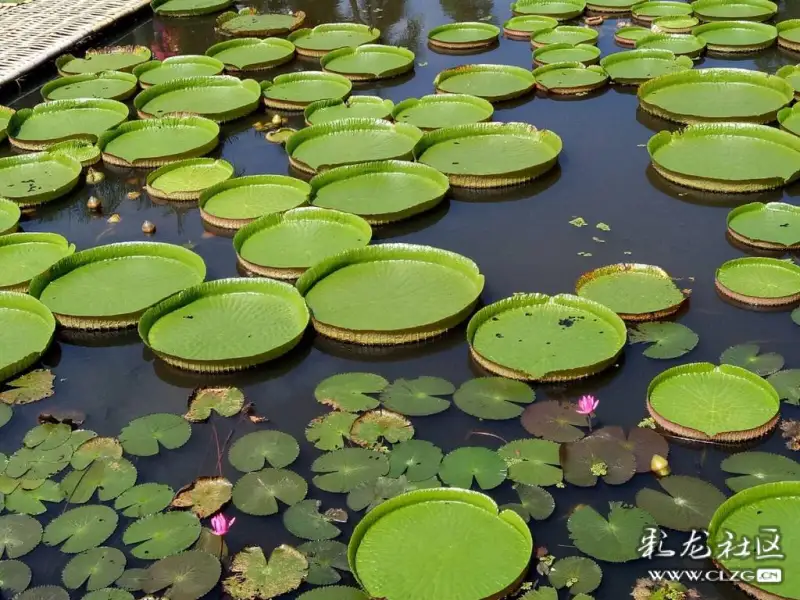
220, 524
587, 405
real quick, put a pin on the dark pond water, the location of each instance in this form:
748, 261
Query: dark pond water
520, 238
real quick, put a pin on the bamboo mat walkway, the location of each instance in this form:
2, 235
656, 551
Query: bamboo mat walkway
41, 30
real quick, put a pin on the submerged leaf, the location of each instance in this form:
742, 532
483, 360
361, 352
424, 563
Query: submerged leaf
418, 397
462, 465
226, 402
532, 462
329, 432
342, 470
204, 496
643, 442
579, 574
162, 535
325, 559
614, 540
796, 316
494, 398
554, 421
258, 493
81, 528
748, 357
185, 576
15, 576
6, 412
669, 340
253, 577
132, 579
255, 450
690, 504
304, 520
144, 499
142, 436
31, 387
348, 391
371, 428
418, 460
756, 468
19, 534
787, 384
96, 568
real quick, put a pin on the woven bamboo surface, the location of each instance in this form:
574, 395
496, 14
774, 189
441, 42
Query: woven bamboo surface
41, 30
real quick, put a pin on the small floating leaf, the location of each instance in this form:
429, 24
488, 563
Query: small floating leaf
47, 436
31, 502
144, 499
93, 449
756, 468
418, 397
690, 504
142, 436
31, 387
81, 528
494, 398
348, 391
108, 594
796, 316
96, 568
325, 559
255, 450
258, 493
371, 493
185, 576
108, 477
535, 502
579, 574
532, 462
643, 442
342, 470
38, 464
418, 460
786, 383
329, 432
542, 593
15, 576
554, 421
19, 534
253, 577
225, 401
748, 356
304, 520
132, 579
614, 540
460, 466
603, 227
334, 592
669, 340
162, 535
6, 412
44, 592
279, 136
578, 222
204, 496
376, 425
597, 456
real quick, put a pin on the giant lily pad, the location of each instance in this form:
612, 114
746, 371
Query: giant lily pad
252, 54
702, 401
523, 27
144, 436
331, 36
26, 330
5, 115
361, 107
9, 217
225, 325
707, 95
610, 6
363, 295
789, 118
369, 62
565, 34
350, 141
155, 72
156, 142
84, 151
51, 122
699, 156
237, 202
558, 9
637, 66
110, 287
113, 85
258, 493
112, 58
253, 451
647, 12
736, 36
284, 245
185, 576
486, 155
759, 281
616, 539
494, 83
569, 78
486, 551
635, 292
688, 504
380, 192
463, 36
558, 53
217, 98
23, 256
96, 568
253, 576
342, 470
19, 535
296, 91
162, 534
543, 338
33, 179
186, 179
756, 468
188, 8
435, 111
684, 44
81, 528
763, 514
728, 10
789, 34
248, 22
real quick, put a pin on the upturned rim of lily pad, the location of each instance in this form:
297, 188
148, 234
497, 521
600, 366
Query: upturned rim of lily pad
83, 151
576, 10
7, 112
221, 287
620, 38
756, 262
299, 77
298, 35
352, 101
53, 239
304, 213
109, 253
735, 436
769, 31
514, 33
30, 201
286, 45
768, 9
681, 8
783, 41
475, 101
571, 66
523, 74
610, 8
609, 61
644, 269
326, 61
534, 300
592, 35
661, 24
393, 252
696, 45
215, 6
60, 82
26, 303
142, 52
787, 71
491, 33
10, 209
298, 17
593, 52
759, 207
181, 195
181, 59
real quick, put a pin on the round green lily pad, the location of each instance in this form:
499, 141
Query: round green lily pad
257, 493
463, 36
543, 338
219, 98
83, 151
610, 6
720, 403
380, 192
675, 24
248, 22
442, 110
112, 58
9, 217
360, 107
565, 34
522, 28
177, 67
493, 398
188, 8
772, 226
683, 44
186, 179
284, 245
225, 325
363, 295
156, 142
457, 538
237, 202
26, 330
252, 54
15, 576
791, 73
109, 287
296, 91
96, 568
733, 10
789, 34
570, 78
494, 83
82, 119
736, 36
486, 155
161, 535
789, 119
647, 12
635, 292
690, 504
146, 435
350, 141
760, 281
23, 256
113, 85
186, 576
369, 62
556, 53
699, 156
629, 35
637, 66
331, 36
81, 528
19, 535
562, 10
